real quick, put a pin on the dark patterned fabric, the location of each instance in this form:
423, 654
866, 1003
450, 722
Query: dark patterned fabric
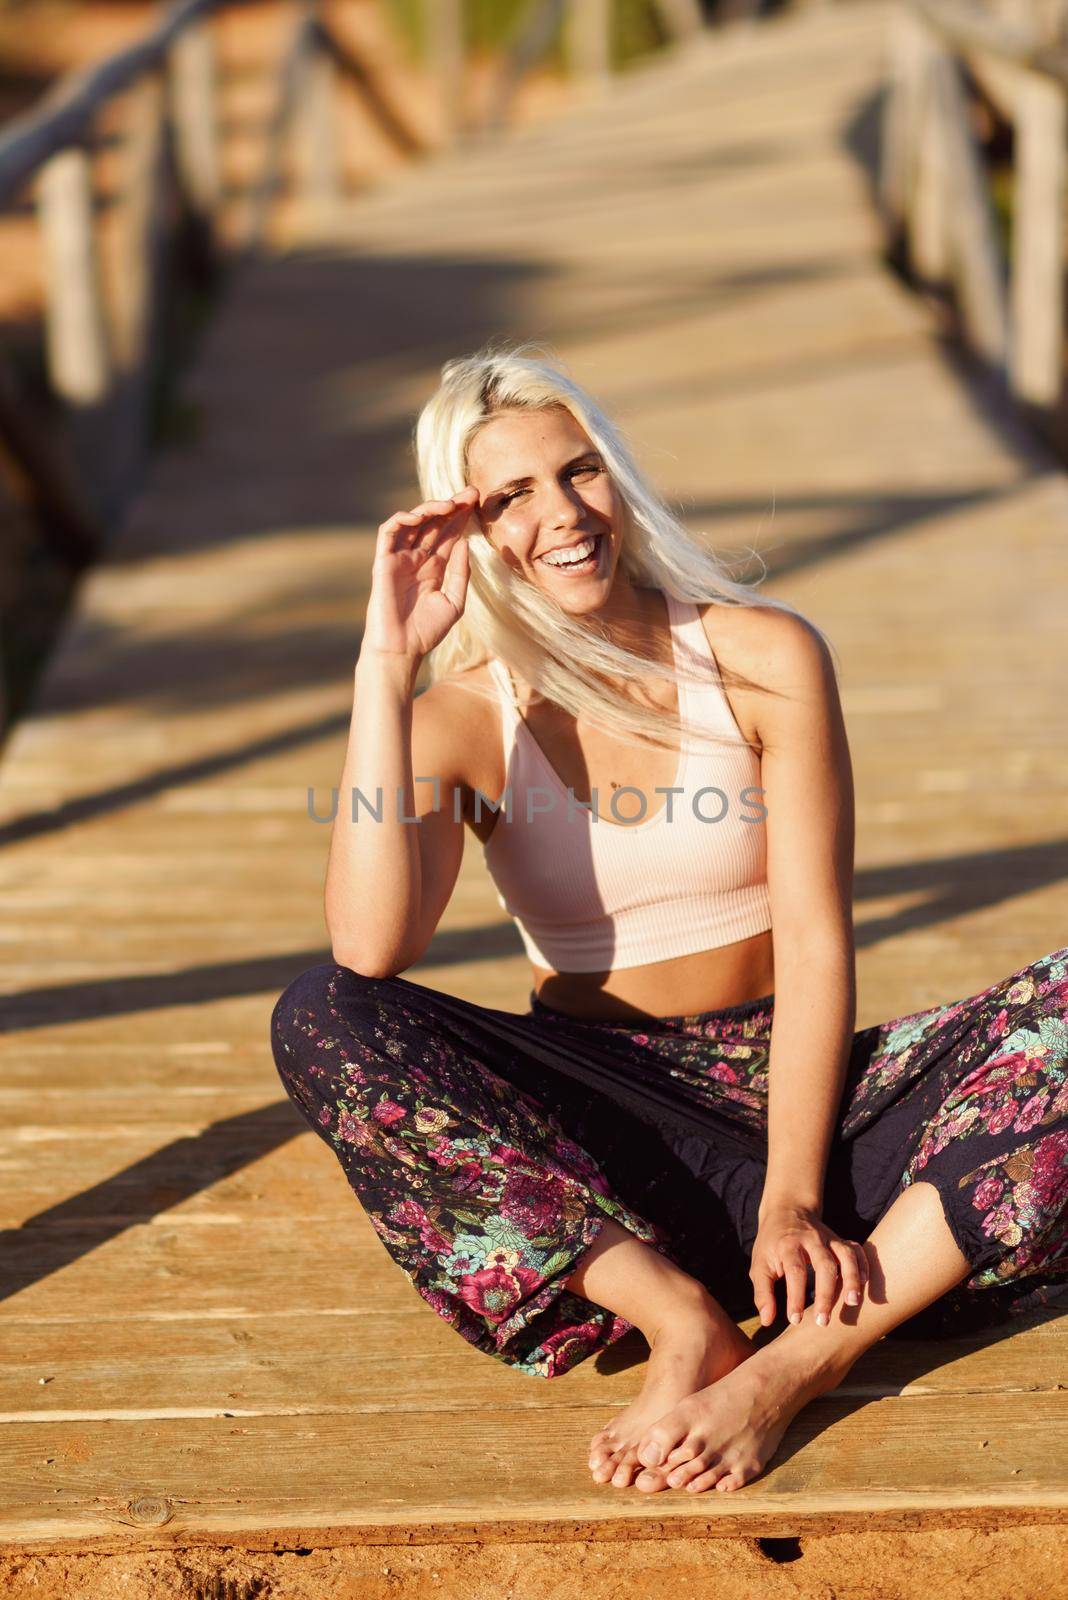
488, 1147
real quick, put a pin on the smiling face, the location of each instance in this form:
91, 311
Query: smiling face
545, 491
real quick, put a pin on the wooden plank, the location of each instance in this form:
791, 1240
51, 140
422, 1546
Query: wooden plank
195, 1269
62, 1186
283, 1362
195, 1249
369, 1471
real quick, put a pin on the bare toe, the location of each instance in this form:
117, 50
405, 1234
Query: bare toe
681, 1477
735, 1479
605, 1467
605, 1440
627, 1465
650, 1479
665, 1436
714, 1477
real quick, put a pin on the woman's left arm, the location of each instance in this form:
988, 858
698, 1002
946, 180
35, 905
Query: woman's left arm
807, 779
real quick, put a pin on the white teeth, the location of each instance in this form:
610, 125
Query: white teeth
572, 557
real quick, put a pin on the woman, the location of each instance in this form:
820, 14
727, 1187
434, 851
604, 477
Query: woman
685, 1121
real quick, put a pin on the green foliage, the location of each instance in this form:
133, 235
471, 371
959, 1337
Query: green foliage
1001, 198
490, 24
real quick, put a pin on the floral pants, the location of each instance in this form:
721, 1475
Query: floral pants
488, 1147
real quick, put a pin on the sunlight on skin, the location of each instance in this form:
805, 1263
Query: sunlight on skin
692, 1340
723, 1435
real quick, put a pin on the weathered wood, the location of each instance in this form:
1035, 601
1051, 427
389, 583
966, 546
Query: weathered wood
998, 79
140, 223
899, 120
589, 41
976, 254
166, 881
281, 1362
320, 184
951, 233
195, 111
505, 1464
535, 31
64, 115
76, 331
303, 44
389, 115
682, 18
1037, 355
932, 195
443, 25
971, 27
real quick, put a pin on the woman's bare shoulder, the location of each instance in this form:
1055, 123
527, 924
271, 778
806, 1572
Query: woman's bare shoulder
772, 648
761, 642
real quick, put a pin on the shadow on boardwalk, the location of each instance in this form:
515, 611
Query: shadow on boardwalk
221, 1326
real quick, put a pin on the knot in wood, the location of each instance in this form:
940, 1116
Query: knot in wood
151, 1509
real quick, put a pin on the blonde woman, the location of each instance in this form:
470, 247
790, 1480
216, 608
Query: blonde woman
685, 1126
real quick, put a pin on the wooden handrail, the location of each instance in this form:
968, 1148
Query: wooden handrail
969, 28
62, 118
936, 197
101, 349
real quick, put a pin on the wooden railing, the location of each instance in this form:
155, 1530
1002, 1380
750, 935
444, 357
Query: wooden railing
587, 27
936, 194
81, 444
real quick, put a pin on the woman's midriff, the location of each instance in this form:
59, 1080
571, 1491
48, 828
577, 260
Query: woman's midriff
682, 986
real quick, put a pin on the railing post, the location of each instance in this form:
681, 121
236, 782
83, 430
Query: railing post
930, 198
975, 251
1037, 354
682, 18
194, 109
76, 329
900, 121
140, 223
589, 41
443, 24
140, 280
318, 146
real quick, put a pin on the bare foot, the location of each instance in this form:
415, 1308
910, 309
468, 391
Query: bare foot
725, 1434
696, 1344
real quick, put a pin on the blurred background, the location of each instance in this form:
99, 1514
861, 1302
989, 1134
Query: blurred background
412, 74
242, 128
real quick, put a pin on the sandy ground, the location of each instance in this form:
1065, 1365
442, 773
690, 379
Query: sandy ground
972, 1563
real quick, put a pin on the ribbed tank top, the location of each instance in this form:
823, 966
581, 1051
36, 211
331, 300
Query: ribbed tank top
592, 893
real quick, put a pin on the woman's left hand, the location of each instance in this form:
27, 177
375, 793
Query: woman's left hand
788, 1238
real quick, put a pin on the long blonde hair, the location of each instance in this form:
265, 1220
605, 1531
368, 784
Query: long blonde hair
570, 661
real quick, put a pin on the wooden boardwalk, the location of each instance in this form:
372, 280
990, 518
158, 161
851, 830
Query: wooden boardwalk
209, 1358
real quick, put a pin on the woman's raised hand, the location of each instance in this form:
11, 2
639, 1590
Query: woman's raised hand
419, 578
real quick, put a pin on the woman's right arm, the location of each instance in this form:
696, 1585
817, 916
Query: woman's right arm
388, 880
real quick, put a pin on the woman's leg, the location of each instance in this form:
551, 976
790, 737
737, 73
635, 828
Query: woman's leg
692, 1340
979, 1209
468, 1178
724, 1435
